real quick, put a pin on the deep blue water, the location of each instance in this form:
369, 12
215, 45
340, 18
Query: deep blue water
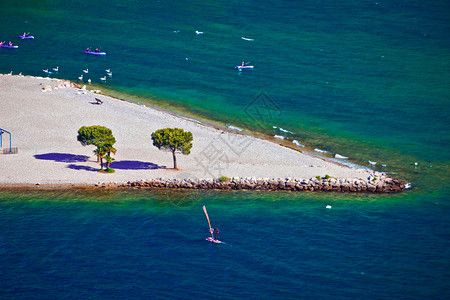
141, 244
365, 79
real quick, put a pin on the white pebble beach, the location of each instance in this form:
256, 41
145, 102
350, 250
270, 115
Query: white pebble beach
44, 127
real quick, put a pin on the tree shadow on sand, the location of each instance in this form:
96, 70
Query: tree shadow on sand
62, 157
85, 168
135, 165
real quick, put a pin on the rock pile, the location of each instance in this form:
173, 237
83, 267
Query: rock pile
59, 84
376, 183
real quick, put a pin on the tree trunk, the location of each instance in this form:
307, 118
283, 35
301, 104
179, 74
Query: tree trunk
101, 163
174, 160
107, 162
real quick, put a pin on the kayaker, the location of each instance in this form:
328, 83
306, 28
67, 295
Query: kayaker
24, 34
10, 43
243, 64
88, 49
96, 50
1, 43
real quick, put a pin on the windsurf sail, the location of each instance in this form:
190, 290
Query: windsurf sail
209, 223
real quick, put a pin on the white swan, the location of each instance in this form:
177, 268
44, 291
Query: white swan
198, 32
56, 69
103, 78
86, 71
81, 77
108, 70
109, 74
45, 71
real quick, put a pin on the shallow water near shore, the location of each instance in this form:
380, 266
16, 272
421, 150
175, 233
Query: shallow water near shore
363, 79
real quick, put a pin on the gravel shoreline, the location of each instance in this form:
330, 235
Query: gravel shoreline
45, 114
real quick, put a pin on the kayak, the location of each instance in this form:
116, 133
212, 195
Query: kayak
95, 53
26, 37
244, 67
8, 46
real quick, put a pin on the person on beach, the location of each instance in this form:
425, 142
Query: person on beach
216, 233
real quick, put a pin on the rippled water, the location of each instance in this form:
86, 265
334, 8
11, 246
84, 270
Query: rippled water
143, 244
368, 80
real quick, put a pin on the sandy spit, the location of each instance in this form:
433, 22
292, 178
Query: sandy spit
44, 122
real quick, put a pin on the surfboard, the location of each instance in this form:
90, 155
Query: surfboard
213, 240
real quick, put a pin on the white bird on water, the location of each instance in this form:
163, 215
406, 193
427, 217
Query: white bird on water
109, 74
56, 69
108, 70
81, 77
86, 71
89, 81
103, 78
45, 71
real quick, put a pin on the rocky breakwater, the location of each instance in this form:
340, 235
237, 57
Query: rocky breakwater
57, 84
375, 183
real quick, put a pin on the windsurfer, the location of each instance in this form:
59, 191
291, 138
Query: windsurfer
216, 233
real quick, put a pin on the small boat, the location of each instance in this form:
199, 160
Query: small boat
94, 53
26, 37
8, 46
244, 67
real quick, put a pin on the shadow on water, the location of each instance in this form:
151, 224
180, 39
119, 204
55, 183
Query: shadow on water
62, 157
135, 165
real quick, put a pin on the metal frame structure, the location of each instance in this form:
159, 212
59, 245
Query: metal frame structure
2, 131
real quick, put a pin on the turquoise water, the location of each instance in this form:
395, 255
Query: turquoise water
363, 79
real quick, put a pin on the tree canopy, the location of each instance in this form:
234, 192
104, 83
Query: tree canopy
93, 135
102, 138
173, 140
